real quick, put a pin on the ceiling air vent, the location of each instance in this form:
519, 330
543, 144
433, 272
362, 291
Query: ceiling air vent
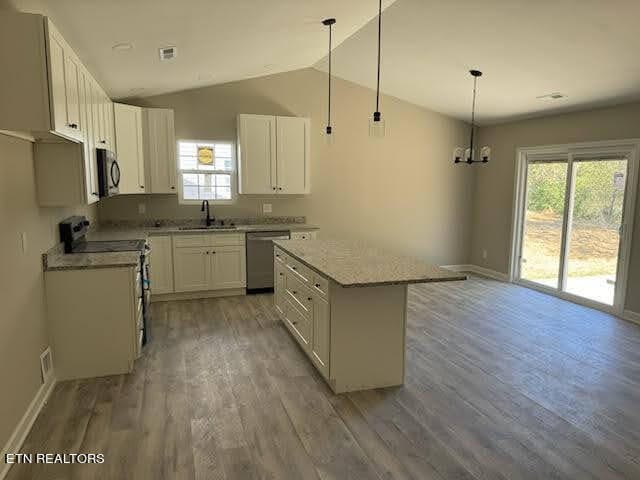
167, 53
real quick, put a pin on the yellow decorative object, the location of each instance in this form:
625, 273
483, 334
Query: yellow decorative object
205, 155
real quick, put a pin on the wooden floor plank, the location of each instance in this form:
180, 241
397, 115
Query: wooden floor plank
501, 382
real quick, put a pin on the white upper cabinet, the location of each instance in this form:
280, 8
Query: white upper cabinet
273, 154
89, 164
160, 149
292, 140
128, 141
64, 70
257, 154
43, 94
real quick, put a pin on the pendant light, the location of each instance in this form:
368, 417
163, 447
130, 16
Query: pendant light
377, 125
469, 153
329, 22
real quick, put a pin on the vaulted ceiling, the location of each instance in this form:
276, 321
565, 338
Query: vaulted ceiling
584, 49
217, 41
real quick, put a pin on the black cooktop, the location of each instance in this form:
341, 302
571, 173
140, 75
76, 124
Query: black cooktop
109, 246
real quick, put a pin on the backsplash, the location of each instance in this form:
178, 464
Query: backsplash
149, 208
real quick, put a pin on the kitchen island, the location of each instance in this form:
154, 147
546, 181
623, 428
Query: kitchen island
345, 302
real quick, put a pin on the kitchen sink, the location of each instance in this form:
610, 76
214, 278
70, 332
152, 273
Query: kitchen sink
212, 227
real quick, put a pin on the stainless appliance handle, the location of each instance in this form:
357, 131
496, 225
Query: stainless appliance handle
267, 239
115, 174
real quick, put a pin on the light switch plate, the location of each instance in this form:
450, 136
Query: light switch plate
267, 208
142, 208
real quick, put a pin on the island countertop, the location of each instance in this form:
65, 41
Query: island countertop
358, 264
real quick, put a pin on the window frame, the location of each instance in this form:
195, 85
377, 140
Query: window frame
233, 173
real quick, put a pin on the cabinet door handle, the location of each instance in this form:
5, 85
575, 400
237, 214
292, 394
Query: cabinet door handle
173, 188
103, 141
213, 252
293, 268
309, 298
294, 323
317, 285
295, 293
279, 188
141, 186
73, 125
274, 188
280, 274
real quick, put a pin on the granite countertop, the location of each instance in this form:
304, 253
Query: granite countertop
56, 259
125, 232
357, 264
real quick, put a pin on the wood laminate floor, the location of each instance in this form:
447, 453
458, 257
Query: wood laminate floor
502, 382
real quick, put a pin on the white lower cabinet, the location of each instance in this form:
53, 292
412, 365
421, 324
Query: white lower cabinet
301, 299
204, 262
191, 268
161, 264
279, 289
320, 336
228, 267
84, 308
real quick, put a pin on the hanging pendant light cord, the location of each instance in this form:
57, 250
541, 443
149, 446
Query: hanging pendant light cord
329, 116
473, 119
379, 43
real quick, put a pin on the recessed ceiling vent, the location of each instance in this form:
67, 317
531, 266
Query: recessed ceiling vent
168, 53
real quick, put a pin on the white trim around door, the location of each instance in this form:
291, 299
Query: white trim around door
627, 149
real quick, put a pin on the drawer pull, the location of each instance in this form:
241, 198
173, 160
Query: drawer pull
317, 285
294, 323
281, 274
309, 298
295, 293
293, 268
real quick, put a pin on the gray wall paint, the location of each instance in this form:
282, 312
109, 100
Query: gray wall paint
401, 192
495, 182
23, 327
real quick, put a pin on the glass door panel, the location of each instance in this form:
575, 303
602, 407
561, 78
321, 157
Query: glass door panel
593, 245
543, 220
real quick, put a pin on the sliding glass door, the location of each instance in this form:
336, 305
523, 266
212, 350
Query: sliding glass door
543, 216
573, 209
593, 231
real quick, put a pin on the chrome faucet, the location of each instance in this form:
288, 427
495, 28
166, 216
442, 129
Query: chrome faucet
209, 220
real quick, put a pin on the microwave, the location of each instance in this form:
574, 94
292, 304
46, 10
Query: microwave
108, 173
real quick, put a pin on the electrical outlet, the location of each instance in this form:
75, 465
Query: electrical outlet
267, 208
484, 254
23, 241
142, 208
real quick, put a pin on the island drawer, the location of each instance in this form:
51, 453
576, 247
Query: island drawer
279, 255
304, 273
298, 325
320, 285
299, 294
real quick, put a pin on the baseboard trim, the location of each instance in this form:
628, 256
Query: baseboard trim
14, 444
485, 272
631, 316
167, 297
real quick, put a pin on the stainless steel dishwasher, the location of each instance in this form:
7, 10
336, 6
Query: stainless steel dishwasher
260, 259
